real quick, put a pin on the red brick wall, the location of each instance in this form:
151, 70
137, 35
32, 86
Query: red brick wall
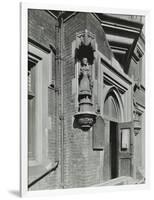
41, 27
81, 163
94, 26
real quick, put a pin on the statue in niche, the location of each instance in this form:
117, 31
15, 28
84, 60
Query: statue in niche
85, 117
85, 82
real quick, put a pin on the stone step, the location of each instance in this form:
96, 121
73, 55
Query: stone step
123, 180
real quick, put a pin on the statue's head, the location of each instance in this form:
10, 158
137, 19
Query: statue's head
84, 61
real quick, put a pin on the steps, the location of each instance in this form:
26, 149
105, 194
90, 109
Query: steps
123, 180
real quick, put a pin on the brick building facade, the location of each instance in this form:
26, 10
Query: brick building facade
81, 137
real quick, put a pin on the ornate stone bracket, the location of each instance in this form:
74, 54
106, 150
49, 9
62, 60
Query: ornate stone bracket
137, 123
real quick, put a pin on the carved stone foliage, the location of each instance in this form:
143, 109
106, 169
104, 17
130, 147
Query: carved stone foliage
85, 46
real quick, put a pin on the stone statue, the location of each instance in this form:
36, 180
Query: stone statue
85, 83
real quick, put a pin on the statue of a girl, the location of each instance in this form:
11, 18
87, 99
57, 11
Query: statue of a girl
85, 77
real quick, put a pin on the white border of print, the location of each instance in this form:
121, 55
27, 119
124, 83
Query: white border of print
23, 100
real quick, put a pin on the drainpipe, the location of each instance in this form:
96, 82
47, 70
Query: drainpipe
59, 58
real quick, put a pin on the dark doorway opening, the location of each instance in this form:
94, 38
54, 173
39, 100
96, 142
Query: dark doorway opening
113, 149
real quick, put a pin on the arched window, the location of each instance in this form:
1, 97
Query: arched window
111, 107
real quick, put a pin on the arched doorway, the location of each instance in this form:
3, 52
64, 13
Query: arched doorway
119, 153
113, 113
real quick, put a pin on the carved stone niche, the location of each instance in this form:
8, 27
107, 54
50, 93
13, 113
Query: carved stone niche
84, 56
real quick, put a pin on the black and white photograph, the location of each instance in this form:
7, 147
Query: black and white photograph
86, 99
77, 100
